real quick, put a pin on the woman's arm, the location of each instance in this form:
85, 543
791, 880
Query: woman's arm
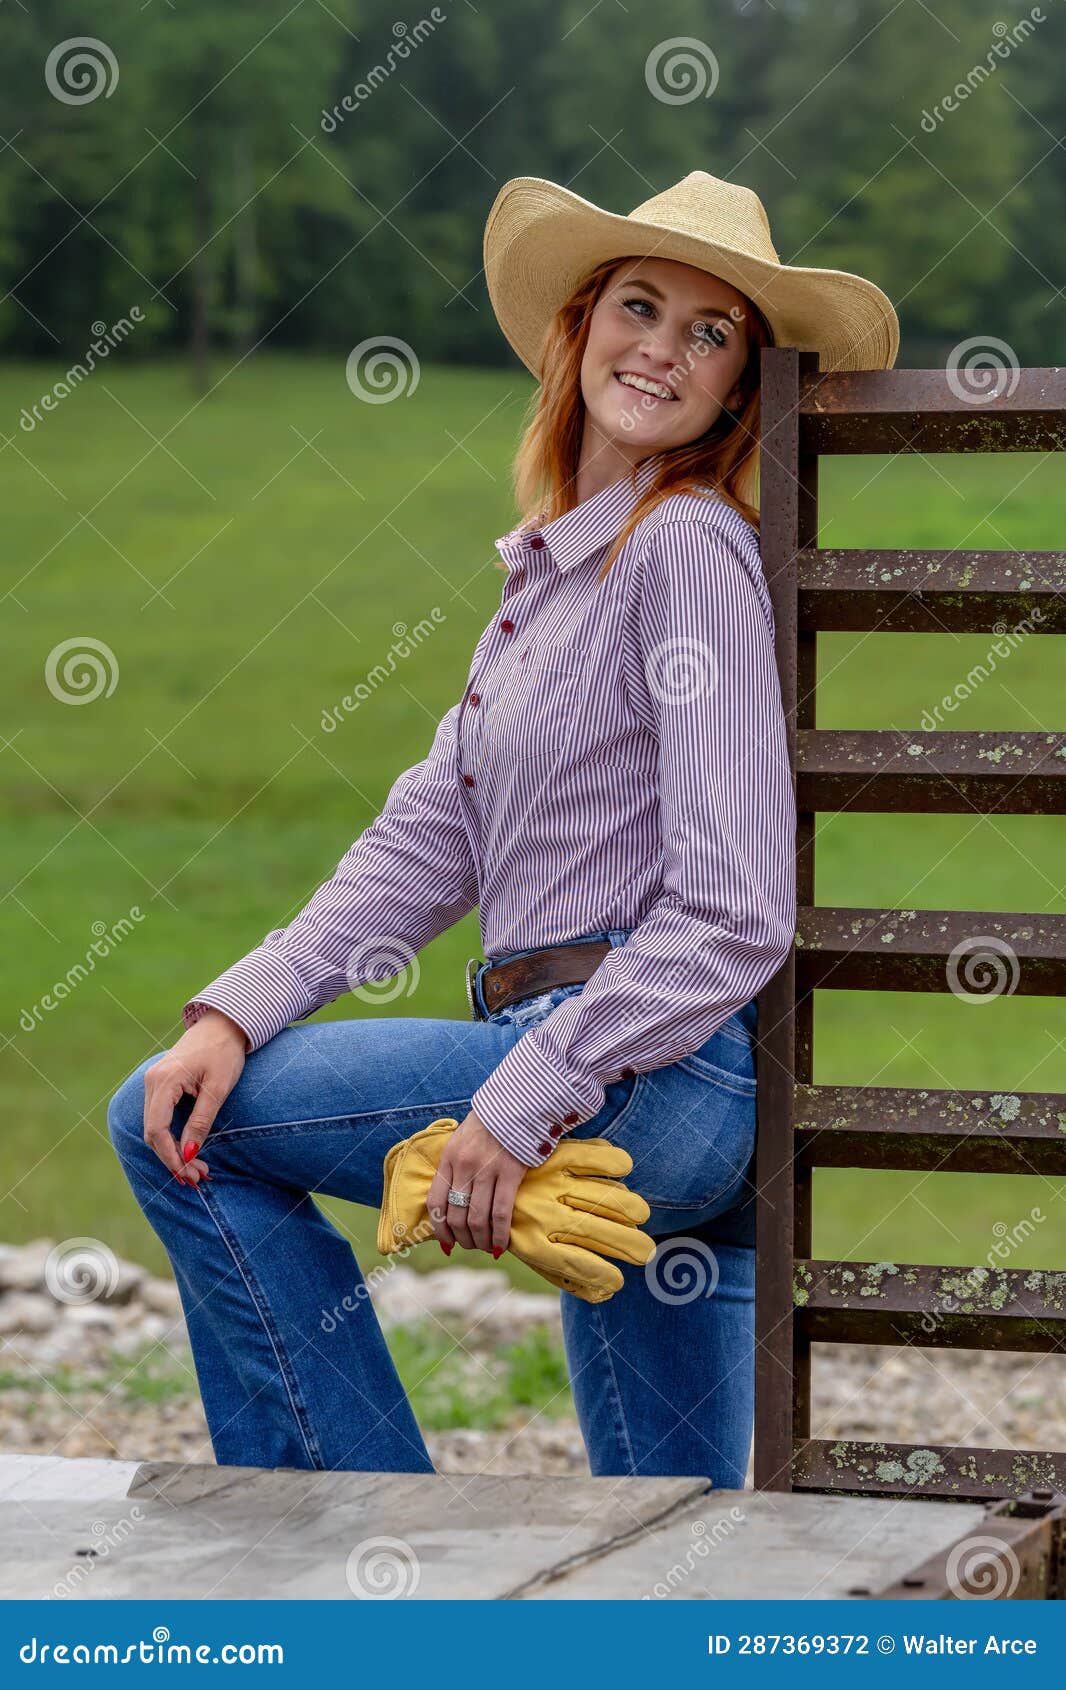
726, 916
408, 877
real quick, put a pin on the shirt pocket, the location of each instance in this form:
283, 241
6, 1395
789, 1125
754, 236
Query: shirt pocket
536, 713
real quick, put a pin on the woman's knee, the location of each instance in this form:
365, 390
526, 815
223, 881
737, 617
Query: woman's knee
125, 1113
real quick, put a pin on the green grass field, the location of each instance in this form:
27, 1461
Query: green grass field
251, 568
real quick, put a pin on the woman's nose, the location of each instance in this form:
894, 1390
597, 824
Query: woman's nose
660, 346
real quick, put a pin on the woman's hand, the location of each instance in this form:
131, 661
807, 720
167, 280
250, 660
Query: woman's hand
206, 1063
475, 1161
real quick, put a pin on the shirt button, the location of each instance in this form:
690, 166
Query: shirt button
544, 1148
475, 698
537, 542
468, 780
507, 625
556, 1131
628, 1074
570, 1120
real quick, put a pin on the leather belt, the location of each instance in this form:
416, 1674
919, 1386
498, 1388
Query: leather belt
537, 971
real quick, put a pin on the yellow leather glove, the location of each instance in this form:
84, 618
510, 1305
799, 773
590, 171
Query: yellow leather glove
569, 1213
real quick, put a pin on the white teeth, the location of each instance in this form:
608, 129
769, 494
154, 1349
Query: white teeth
656, 388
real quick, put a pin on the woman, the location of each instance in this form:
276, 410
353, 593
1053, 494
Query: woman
613, 792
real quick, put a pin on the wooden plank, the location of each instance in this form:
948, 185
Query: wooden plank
252, 1532
972, 1308
950, 1131
894, 1469
937, 772
982, 953
1010, 594
783, 1546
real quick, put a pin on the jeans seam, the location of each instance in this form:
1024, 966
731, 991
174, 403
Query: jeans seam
621, 1423
299, 1411
326, 1120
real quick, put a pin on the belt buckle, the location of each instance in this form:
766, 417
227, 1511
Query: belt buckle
472, 965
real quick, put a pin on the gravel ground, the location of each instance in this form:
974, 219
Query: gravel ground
62, 1321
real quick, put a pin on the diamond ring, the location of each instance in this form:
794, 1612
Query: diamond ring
461, 1199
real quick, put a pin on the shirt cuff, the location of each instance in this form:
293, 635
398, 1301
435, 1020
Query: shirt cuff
261, 992
528, 1104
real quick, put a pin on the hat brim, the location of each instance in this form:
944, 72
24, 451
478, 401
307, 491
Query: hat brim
541, 241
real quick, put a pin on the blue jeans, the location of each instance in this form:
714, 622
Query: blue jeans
291, 1362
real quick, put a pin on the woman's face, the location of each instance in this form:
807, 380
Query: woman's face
666, 345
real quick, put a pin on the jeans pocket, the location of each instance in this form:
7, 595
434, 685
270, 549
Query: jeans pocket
691, 1133
727, 1058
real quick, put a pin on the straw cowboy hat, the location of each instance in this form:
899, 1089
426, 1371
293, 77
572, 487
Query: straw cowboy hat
542, 240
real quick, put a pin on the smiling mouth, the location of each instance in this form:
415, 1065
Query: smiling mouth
645, 384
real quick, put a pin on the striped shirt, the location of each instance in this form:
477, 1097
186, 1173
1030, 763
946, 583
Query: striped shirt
617, 759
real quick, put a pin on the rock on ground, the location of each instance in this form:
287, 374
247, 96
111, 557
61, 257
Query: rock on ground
64, 1318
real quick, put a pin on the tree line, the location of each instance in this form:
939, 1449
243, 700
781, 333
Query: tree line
309, 173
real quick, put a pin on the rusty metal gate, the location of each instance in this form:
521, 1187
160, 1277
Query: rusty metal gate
803, 1126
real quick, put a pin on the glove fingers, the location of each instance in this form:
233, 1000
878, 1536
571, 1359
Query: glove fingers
609, 1198
577, 1270
591, 1156
610, 1238
408, 1170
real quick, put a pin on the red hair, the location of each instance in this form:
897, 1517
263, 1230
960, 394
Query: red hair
545, 466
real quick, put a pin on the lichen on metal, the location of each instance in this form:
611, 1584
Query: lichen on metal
1006, 1105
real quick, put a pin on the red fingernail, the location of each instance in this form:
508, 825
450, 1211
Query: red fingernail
497, 1252
190, 1150
180, 1178
447, 1248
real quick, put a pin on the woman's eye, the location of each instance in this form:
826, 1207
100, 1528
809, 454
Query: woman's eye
628, 303
711, 333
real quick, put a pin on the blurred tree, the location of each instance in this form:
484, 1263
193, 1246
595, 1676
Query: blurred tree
294, 173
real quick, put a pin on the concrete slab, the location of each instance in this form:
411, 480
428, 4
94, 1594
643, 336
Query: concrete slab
40, 1478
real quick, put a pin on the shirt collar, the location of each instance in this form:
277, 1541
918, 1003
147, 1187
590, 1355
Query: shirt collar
595, 522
